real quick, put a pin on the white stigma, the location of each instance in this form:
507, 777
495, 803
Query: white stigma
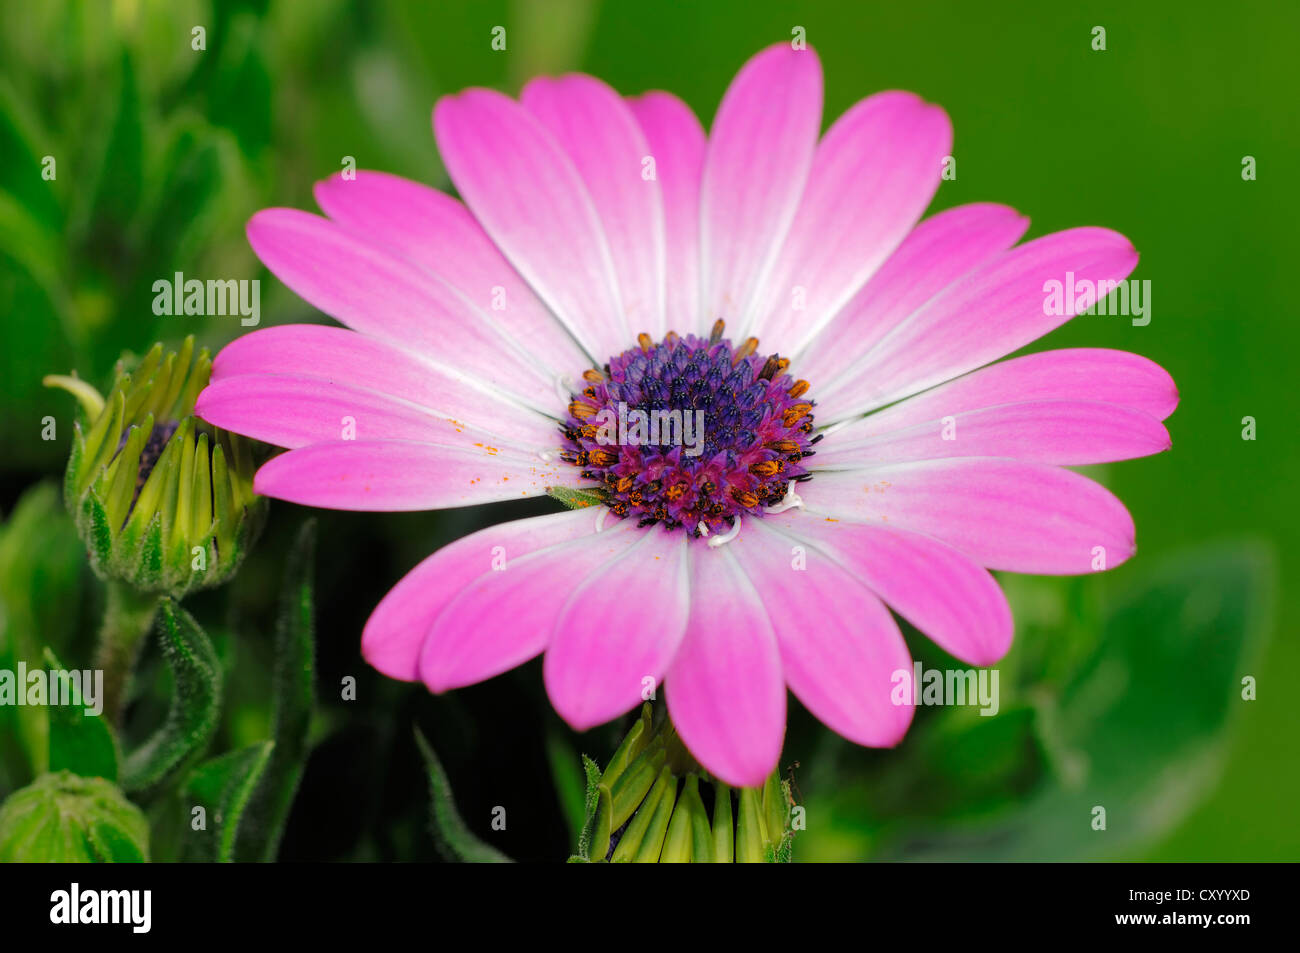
564, 387
788, 502
727, 537
600, 518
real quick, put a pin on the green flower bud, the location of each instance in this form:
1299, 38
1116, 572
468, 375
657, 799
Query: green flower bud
163, 501
632, 745
701, 834
65, 818
775, 811
651, 821
750, 833
677, 842
724, 832
602, 828
651, 847
635, 834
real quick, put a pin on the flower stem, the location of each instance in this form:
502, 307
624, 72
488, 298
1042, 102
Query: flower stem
128, 617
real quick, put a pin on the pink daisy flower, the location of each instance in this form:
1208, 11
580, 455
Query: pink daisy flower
859, 449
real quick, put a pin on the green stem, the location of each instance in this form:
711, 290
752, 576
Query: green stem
128, 617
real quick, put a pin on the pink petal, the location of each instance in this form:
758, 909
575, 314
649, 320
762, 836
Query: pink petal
1084, 374
677, 142
955, 602
526, 193
297, 411
398, 627
985, 316
317, 352
759, 154
606, 145
378, 293
840, 647
619, 629
938, 252
1064, 432
1021, 517
395, 476
437, 232
505, 617
725, 691
874, 173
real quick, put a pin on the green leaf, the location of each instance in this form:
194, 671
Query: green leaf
591, 801
455, 841
42, 565
65, 818
193, 169
292, 697
223, 788
576, 499
21, 174
567, 779
121, 172
195, 705
81, 743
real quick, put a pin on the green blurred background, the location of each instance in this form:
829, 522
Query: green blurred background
1123, 689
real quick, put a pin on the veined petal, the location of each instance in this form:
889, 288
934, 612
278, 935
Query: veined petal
874, 173
950, 598
295, 411
841, 653
525, 191
619, 630
505, 617
1064, 432
937, 253
437, 233
1088, 374
594, 126
318, 352
397, 476
985, 316
759, 153
725, 692
397, 629
677, 143
381, 294
1004, 514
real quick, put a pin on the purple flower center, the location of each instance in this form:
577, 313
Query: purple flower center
691, 432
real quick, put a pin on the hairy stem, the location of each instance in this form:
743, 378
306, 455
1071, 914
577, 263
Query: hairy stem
128, 617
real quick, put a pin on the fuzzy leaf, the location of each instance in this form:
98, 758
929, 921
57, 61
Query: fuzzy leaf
591, 802
576, 499
81, 743
223, 787
292, 699
196, 702
454, 839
